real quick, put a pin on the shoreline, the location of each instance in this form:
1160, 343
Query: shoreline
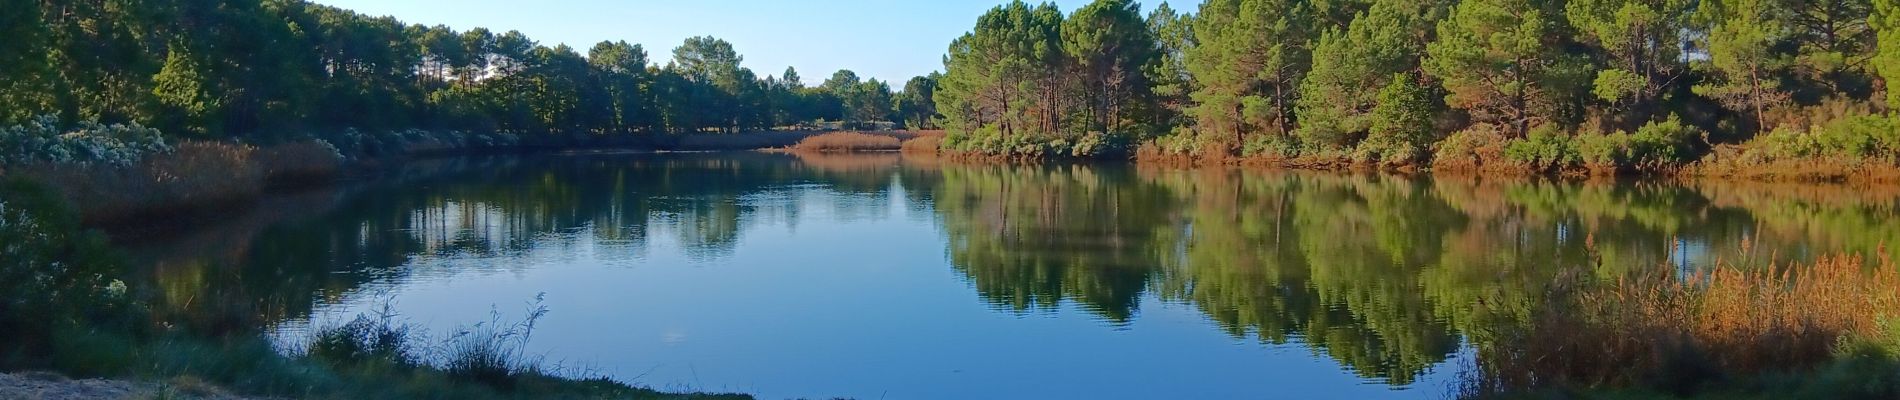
782, 142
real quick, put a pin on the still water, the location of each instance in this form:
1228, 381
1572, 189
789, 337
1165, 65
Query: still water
877, 276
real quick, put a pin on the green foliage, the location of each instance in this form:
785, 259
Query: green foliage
1885, 22
1658, 144
1470, 148
1640, 40
1744, 58
916, 106
1545, 148
1859, 138
1248, 60
1402, 123
1335, 109
43, 141
1499, 60
1616, 85
56, 277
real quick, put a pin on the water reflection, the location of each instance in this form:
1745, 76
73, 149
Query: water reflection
1388, 277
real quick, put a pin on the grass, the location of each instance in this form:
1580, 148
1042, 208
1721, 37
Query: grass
842, 142
1723, 333
193, 175
925, 143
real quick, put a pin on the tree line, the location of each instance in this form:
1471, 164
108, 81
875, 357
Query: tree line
239, 68
1390, 79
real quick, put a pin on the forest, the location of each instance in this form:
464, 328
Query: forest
275, 69
1544, 85
1724, 87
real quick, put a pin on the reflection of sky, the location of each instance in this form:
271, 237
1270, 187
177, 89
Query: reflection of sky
828, 294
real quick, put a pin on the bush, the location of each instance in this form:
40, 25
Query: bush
1860, 138
55, 276
43, 141
991, 140
1271, 146
1099, 145
1546, 148
1472, 148
1656, 145
1662, 143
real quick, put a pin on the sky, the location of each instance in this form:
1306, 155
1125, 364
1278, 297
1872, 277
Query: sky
890, 40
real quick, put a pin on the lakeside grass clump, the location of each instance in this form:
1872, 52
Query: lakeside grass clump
1819, 330
836, 142
928, 142
190, 175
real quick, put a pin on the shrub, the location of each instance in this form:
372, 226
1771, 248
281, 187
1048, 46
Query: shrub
991, 140
1601, 151
1098, 144
43, 141
1472, 148
1662, 143
1271, 146
1656, 145
1859, 138
55, 276
366, 340
1181, 142
1546, 148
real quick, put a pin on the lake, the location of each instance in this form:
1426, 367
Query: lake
880, 276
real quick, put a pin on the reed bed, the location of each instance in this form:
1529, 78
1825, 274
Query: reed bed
1683, 332
191, 175
923, 144
849, 142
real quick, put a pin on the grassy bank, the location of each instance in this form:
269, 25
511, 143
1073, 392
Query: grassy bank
120, 174
1853, 145
71, 307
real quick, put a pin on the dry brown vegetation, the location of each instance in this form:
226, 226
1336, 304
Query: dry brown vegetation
194, 175
926, 142
849, 142
1679, 331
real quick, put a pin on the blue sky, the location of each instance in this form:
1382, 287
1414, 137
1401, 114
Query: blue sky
883, 39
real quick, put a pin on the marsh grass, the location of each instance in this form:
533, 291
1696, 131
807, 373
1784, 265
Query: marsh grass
1685, 334
923, 144
849, 142
191, 176
494, 352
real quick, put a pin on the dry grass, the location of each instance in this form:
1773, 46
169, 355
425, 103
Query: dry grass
306, 160
197, 175
924, 144
1677, 333
739, 141
849, 142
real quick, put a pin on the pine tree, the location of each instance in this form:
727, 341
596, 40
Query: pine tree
1248, 60
1334, 101
1745, 65
1498, 58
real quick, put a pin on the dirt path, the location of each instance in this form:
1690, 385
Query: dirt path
46, 386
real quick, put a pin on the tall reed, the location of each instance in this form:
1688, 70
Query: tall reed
1679, 332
